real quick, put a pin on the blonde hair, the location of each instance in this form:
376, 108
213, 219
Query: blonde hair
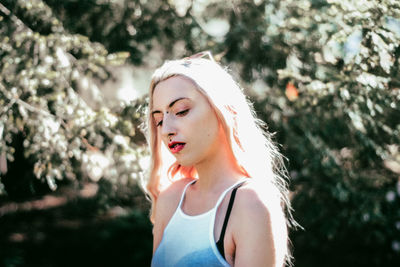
257, 156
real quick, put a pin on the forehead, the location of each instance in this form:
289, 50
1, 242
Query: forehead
173, 88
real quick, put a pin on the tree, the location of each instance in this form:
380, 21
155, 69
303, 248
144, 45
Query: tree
53, 133
338, 118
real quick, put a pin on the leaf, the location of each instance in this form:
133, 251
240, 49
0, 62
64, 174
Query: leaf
385, 59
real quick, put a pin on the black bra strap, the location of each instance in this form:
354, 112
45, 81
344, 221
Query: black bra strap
220, 242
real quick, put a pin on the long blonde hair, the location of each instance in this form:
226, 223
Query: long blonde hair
257, 156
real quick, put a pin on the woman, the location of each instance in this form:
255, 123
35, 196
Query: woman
221, 199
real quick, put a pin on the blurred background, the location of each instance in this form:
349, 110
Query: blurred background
323, 74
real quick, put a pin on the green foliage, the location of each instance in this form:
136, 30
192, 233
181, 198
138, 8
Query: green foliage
43, 70
133, 26
341, 133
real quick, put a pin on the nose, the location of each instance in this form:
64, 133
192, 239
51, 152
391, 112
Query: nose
168, 129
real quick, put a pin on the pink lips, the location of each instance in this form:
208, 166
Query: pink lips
175, 147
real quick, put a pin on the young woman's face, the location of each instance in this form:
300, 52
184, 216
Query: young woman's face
185, 121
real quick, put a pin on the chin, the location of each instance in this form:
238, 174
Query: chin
185, 163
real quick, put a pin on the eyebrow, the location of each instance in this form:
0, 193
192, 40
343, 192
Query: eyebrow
170, 104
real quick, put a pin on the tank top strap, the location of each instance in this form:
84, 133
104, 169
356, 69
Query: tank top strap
184, 192
227, 190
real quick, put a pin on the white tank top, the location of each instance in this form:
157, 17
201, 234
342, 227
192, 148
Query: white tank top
189, 240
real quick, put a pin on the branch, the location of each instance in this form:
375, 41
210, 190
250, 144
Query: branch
14, 18
26, 105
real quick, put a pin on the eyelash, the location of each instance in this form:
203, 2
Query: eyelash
183, 113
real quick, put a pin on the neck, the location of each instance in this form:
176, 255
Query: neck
218, 171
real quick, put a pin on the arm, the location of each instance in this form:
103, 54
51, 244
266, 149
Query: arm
261, 234
158, 227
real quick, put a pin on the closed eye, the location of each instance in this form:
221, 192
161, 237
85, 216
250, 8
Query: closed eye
182, 113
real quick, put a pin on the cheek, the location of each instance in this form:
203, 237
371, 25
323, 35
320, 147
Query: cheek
202, 132
207, 128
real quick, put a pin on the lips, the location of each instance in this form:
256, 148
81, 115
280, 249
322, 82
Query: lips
175, 147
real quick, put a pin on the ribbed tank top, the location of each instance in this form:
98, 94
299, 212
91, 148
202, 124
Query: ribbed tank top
189, 240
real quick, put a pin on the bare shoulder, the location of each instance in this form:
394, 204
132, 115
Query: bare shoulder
253, 197
260, 203
173, 192
166, 204
169, 198
260, 232
168, 201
